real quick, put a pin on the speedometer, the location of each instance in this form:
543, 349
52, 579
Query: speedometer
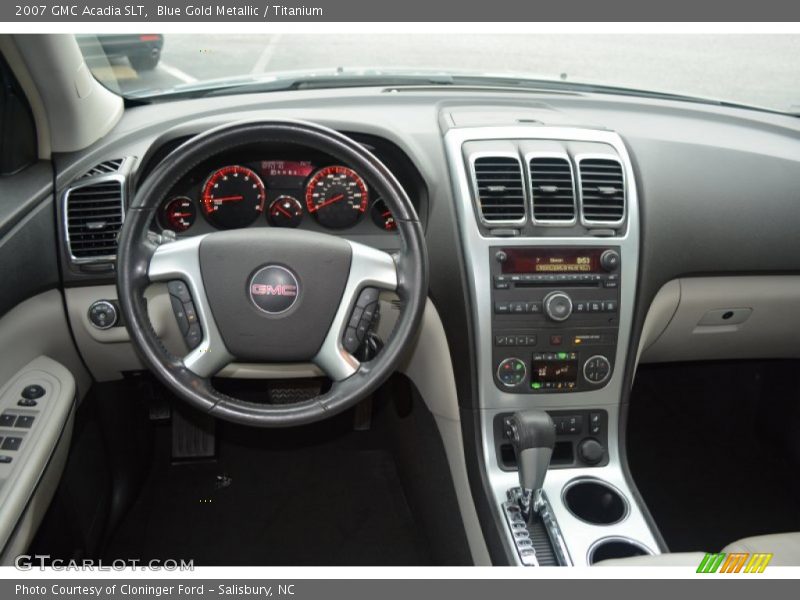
337, 197
233, 197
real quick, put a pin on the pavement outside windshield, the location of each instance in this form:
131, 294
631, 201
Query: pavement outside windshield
762, 70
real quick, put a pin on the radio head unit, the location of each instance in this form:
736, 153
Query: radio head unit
555, 316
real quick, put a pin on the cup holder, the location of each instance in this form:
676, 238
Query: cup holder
617, 547
595, 502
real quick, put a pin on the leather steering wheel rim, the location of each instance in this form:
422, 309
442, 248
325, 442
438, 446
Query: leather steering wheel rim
137, 250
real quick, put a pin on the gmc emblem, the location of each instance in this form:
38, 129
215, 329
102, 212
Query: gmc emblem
265, 289
273, 289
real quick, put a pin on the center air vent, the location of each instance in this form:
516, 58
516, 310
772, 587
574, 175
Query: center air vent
602, 191
94, 215
552, 190
501, 197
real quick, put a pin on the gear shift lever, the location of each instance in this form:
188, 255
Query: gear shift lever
533, 436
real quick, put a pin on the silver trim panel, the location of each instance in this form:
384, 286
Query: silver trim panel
492, 401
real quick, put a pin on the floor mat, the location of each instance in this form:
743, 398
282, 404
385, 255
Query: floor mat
335, 502
702, 452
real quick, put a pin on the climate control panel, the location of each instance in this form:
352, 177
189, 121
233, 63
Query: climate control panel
555, 317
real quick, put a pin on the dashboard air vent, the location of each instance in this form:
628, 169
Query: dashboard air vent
94, 215
552, 190
602, 190
104, 168
501, 197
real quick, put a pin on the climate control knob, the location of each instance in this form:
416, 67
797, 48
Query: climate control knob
557, 306
511, 372
597, 369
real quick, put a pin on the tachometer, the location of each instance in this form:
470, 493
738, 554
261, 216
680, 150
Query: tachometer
337, 197
233, 197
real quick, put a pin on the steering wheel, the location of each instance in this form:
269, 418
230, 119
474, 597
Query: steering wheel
271, 295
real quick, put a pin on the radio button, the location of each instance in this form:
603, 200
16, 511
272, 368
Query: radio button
611, 284
502, 308
534, 307
519, 307
610, 306
531, 340
609, 260
501, 283
581, 307
595, 306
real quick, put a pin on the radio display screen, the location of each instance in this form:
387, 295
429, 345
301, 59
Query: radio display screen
560, 374
551, 260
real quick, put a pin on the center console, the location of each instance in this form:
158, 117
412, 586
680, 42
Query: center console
549, 227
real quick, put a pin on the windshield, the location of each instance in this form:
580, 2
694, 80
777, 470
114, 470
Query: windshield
757, 70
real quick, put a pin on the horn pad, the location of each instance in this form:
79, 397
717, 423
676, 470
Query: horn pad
274, 292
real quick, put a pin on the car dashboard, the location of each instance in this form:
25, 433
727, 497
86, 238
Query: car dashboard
558, 226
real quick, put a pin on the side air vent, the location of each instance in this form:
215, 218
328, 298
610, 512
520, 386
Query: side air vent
94, 214
602, 191
104, 168
498, 181
552, 190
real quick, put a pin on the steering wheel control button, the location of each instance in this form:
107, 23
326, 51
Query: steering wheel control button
511, 372
350, 342
11, 443
7, 420
103, 314
367, 296
193, 336
32, 392
180, 315
363, 319
557, 306
179, 290
274, 289
597, 369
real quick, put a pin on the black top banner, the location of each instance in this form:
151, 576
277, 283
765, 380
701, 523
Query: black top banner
143, 11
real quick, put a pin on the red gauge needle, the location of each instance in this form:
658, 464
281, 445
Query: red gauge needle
284, 211
227, 199
181, 214
328, 201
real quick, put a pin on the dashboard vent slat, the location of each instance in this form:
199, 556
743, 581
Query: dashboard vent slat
501, 197
104, 168
94, 216
552, 190
602, 190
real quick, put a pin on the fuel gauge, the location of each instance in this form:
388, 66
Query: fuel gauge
178, 214
285, 211
382, 216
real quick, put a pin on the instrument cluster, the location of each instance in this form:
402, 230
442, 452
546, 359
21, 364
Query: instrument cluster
277, 193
